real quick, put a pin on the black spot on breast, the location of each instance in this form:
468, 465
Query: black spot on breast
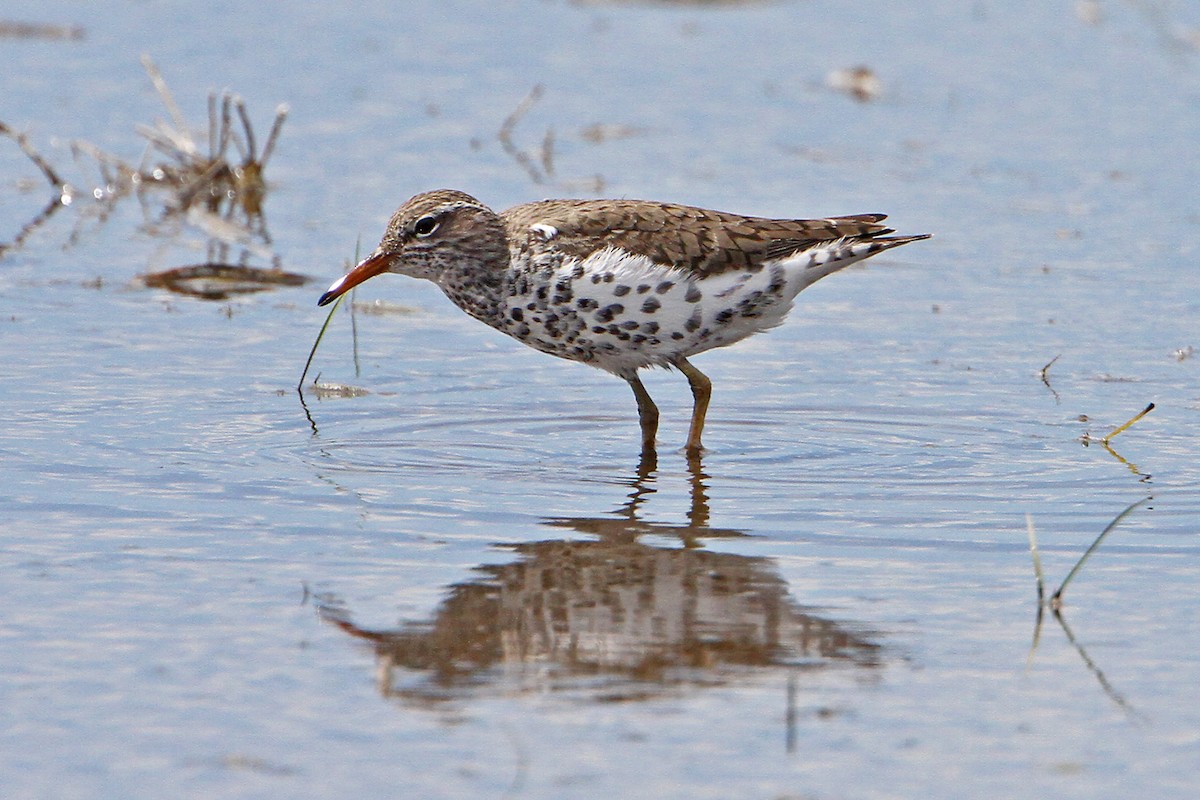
607, 313
517, 314
724, 316
651, 305
643, 288
630, 325
562, 293
694, 295
677, 336
664, 287
693, 322
620, 290
586, 304
650, 327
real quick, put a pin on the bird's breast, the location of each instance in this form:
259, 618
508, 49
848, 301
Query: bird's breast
621, 311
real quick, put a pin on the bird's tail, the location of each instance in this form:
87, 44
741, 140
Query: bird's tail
828, 258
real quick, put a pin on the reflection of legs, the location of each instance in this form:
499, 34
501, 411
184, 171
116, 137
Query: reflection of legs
698, 514
647, 412
701, 392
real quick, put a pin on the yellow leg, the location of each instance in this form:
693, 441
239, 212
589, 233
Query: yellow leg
647, 413
701, 393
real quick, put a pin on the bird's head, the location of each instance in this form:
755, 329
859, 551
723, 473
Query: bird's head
431, 234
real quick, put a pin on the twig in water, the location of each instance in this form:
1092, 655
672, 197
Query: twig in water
23, 142
164, 93
1046, 380
62, 198
505, 135
1087, 440
1124, 427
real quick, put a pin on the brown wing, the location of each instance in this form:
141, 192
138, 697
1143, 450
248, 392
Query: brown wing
696, 239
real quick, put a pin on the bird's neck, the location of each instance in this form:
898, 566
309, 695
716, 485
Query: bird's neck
476, 286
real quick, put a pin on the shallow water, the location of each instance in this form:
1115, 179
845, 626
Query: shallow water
460, 581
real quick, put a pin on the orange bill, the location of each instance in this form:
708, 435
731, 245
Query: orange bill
371, 266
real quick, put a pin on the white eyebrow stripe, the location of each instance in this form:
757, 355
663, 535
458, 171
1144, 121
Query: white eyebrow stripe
544, 230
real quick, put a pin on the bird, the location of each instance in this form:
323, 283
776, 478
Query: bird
619, 284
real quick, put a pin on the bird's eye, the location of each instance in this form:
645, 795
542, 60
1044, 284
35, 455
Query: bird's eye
425, 226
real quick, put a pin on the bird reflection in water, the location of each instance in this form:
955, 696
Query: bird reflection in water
610, 614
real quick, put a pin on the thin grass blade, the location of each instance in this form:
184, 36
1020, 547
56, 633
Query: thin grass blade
313, 352
1056, 598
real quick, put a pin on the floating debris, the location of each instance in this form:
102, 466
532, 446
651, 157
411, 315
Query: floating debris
384, 308
221, 281
325, 390
859, 82
39, 30
1089, 12
599, 133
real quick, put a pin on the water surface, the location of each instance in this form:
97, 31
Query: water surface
460, 580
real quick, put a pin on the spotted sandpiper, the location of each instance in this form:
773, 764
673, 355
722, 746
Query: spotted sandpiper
619, 284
